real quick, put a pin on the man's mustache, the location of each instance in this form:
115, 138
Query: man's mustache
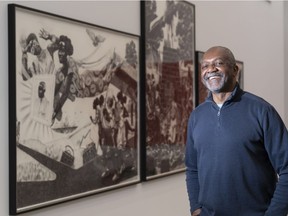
212, 74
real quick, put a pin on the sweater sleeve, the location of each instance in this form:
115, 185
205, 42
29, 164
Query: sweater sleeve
192, 182
276, 144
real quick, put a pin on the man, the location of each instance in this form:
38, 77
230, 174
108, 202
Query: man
41, 103
236, 146
67, 77
44, 63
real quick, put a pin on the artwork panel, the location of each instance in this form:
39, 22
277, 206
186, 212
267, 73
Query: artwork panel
168, 35
240, 76
202, 91
73, 90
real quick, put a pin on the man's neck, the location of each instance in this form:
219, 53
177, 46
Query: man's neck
220, 98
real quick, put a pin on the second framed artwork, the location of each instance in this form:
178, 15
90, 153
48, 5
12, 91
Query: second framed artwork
168, 36
74, 109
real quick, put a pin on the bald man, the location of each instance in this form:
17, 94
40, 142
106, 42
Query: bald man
237, 146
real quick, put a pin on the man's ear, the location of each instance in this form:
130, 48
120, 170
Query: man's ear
236, 68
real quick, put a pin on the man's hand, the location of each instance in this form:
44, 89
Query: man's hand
196, 212
44, 34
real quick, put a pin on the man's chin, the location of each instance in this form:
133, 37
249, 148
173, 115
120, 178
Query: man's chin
214, 89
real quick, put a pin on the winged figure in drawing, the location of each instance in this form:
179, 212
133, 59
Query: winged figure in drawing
96, 39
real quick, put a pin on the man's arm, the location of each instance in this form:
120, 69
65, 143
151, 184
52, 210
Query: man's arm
192, 182
276, 144
26, 73
53, 38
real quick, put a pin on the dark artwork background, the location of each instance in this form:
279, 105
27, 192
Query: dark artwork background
76, 129
240, 78
201, 89
169, 36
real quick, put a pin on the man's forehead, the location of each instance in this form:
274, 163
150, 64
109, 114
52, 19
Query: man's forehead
214, 54
213, 58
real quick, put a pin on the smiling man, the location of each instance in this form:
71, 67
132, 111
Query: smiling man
236, 146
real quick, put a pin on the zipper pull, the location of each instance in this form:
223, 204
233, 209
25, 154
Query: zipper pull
218, 114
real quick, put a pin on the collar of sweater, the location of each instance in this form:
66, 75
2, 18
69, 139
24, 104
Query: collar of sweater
237, 91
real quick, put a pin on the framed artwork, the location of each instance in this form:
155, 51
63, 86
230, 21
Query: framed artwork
202, 91
73, 109
240, 77
168, 36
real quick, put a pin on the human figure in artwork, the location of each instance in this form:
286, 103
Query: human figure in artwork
124, 123
95, 129
67, 77
41, 103
44, 62
108, 122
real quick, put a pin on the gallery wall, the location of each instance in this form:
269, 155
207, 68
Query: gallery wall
254, 30
285, 8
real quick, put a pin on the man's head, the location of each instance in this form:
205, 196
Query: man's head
65, 48
219, 69
33, 45
41, 89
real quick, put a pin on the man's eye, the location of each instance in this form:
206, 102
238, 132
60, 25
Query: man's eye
219, 64
204, 66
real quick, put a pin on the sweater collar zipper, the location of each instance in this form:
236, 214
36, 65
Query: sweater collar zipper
219, 110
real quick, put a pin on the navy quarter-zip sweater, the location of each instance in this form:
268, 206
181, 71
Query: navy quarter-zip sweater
233, 156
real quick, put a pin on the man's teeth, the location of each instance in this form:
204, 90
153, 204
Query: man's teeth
212, 77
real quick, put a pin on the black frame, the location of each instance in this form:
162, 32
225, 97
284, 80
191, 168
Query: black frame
42, 168
168, 80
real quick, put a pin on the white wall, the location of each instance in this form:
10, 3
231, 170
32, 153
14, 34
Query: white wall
285, 61
253, 30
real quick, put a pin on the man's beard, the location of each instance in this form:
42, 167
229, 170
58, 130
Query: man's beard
216, 85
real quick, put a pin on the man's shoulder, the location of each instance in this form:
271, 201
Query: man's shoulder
249, 97
257, 103
201, 108
203, 105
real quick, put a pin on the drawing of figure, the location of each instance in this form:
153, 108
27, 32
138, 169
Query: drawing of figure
124, 124
95, 128
121, 138
44, 62
108, 122
41, 103
67, 77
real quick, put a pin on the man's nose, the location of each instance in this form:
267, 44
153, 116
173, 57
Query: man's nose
211, 67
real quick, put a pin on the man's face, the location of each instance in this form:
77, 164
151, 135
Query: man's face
41, 91
217, 73
62, 54
35, 48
